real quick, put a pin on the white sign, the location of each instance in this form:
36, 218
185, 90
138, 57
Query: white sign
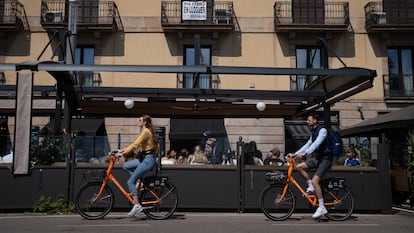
194, 10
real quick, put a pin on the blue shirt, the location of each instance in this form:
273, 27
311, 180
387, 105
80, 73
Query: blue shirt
352, 162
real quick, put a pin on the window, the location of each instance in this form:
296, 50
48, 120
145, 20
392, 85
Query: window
307, 57
400, 66
5, 143
204, 80
308, 11
85, 55
88, 11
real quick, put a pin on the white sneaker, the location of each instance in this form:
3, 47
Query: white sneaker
135, 210
310, 189
321, 210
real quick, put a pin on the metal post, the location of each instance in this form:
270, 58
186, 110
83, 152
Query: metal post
70, 56
71, 41
240, 168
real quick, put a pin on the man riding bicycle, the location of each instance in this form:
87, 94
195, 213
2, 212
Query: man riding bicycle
321, 160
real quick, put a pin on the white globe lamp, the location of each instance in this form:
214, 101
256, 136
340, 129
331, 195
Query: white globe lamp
260, 106
128, 103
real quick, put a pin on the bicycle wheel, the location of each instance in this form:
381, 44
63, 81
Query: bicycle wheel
342, 210
271, 205
89, 209
169, 201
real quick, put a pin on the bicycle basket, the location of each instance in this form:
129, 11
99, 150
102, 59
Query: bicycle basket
155, 181
334, 183
275, 176
94, 175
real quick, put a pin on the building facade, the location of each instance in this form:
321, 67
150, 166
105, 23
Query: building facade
317, 34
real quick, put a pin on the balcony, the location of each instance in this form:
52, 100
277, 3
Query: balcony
206, 16
13, 16
92, 15
89, 79
329, 16
397, 87
389, 17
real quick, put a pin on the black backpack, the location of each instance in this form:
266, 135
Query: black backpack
334, 143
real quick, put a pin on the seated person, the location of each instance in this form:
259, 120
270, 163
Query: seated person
351, 159
274, 158
198, 157
182, 156
170, 158
252, 156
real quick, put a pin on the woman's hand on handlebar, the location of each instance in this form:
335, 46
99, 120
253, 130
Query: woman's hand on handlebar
117, 153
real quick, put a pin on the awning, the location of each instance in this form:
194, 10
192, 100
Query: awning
89, 126
403, 118
303, 131
299, 131
194, 128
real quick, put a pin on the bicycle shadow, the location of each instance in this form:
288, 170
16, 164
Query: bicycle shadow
139, 217
173, 217
321, 219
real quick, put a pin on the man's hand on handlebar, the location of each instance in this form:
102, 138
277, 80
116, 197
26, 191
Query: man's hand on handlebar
299, 155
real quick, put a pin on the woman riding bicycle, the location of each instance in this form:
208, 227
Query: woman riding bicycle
148, 141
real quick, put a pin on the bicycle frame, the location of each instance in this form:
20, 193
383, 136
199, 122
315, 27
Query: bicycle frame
128, 195
312, 199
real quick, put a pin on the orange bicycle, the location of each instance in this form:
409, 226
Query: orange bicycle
95, 199
278, 202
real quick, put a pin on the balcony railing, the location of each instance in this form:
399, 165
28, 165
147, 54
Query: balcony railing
13, 16
218, 16
393, 17
89, 79
102, 16
396, 86
330, 16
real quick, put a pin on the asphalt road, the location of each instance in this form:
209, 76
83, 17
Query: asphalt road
399, 222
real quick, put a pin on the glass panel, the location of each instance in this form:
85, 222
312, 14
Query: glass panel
393, 64
46, 149
307, 58
5, 143
362, 148
301, 59
407, 69
204, 79
85, 56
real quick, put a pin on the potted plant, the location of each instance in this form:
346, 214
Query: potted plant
48, 148
361, 146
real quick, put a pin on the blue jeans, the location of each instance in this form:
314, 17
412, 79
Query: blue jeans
137, 169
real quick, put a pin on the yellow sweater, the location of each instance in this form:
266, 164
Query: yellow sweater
144, 139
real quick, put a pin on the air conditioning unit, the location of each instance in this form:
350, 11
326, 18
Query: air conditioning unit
53, 17
378, 18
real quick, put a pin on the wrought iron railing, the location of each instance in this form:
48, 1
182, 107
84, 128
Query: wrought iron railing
54, 12
374, 14
220, 13
89, 79
213, 79
398, 86
333, 13
14, 14
377, 14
